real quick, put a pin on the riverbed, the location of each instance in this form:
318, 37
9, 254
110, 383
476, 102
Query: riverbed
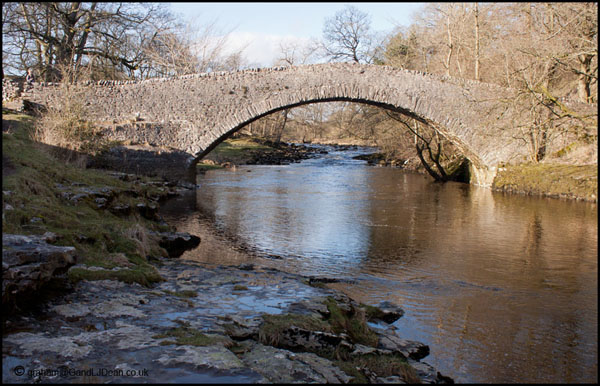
503, 288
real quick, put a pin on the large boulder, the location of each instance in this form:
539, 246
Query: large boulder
28, 264
177, 242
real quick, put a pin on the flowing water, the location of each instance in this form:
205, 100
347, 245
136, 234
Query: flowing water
503, 288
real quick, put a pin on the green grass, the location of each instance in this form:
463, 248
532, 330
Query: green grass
237, 145
382, 365
182, 294
185, 335
274, 326
31, 173
372, 312
235, 150
554, 180
20, 125
353, 323
204, 167
239, 287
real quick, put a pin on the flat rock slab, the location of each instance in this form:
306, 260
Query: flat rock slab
112, 325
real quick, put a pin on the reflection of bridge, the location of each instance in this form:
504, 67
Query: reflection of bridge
194, 113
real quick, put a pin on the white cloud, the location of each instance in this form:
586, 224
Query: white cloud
259, 49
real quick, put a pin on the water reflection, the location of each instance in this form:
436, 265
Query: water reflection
502, 287
315, 220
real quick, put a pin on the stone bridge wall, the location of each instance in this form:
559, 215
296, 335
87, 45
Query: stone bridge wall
194, 113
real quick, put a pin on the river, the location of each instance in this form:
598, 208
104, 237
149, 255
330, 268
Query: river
503, 288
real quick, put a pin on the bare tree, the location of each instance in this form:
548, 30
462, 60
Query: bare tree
188, 48
542, 51
577, 29
49, 36
296, 52
347, 36
116, 40
477, 55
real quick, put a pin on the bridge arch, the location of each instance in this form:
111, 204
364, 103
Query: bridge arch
203, 152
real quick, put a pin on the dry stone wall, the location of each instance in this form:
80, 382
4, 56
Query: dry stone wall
194, 113
11, 89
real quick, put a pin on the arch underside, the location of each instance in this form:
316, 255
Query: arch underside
473, 158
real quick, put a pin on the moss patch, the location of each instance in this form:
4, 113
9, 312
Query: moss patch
185, 335
554, 180
182, 294
239, 287
145, 276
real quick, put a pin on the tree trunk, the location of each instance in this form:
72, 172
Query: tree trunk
428, 168
280, 132
477, 60
584, 80
450, 47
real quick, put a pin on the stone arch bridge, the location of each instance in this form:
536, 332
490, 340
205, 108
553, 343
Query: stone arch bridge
194, 113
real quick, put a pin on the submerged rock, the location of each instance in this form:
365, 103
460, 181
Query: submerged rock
428, 373
389, 312
410, 349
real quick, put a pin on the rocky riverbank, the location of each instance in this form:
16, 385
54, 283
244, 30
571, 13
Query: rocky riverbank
203, 324
256, 151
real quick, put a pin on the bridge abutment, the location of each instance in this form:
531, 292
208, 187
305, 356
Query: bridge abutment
169, 165
482, 175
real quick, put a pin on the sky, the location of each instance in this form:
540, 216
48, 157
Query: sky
260, 27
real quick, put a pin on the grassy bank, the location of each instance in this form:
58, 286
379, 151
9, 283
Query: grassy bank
235, 151
247, 150
553, 180
44, 193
